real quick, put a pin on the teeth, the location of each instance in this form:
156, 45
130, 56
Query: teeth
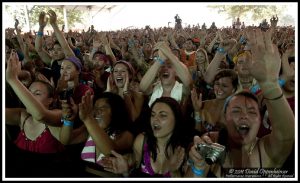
156, 127
243, 129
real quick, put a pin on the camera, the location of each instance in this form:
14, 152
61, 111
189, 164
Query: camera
213, 153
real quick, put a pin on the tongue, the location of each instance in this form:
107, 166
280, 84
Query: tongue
243, 130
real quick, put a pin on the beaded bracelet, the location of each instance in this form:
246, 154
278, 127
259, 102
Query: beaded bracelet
40, 33
68, 123
198, 172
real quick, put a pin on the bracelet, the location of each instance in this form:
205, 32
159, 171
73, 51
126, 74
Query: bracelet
197, 118
242, 40
159, 60
281, 82
221, 50
276, 98
198, 172
68, 123
40, 33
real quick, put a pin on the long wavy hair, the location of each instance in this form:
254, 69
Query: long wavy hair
179, 136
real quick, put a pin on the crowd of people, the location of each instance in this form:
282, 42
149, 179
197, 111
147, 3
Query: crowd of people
166, 102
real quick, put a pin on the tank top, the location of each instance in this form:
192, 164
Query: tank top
146, 164
44, 143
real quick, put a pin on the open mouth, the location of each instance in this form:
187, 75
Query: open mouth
243, 129
98, 119
156, 127
165, 75
119, 80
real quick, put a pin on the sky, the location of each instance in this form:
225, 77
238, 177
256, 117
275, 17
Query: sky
156, 14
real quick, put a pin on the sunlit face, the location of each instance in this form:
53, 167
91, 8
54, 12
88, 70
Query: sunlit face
40, 92
57, 52
102, 112
242, 120
68, 71
243, 65
120, 73
223, 88
167, 73
162, 120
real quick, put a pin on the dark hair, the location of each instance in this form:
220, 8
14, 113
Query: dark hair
242, 93
228, 73
179, 135
120, 118
50, 88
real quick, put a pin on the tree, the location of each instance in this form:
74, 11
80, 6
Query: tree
18, 11
259, 12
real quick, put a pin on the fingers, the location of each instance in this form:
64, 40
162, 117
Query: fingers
116, 154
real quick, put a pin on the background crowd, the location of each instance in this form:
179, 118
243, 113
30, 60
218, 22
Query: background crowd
166, 102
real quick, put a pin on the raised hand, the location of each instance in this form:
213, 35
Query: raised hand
69, 110
197, 101
53, 17
43, 19
86, 107
265, 56
13, 66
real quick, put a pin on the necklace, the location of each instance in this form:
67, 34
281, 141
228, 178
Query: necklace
252, 147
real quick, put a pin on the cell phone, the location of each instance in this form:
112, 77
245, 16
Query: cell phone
66, 94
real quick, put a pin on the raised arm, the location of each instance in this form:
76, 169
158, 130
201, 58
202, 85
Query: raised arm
103, 142
59, 35
265, 69
38, 111
181, 70
212, 68
44, 55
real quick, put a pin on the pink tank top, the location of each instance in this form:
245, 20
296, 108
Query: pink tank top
44, 143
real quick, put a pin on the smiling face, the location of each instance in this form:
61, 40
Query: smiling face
162, 120
167, 73
223, 87
120, 72
102, 112
242, 120
68, 71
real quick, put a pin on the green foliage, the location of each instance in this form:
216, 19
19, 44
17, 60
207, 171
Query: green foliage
18, 11
259, 12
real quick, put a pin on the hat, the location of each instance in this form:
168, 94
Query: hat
75, 61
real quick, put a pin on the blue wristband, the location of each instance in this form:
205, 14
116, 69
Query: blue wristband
281, 82
221, 50
242, 40
68, 123
40, 33
196, 171
159, 60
